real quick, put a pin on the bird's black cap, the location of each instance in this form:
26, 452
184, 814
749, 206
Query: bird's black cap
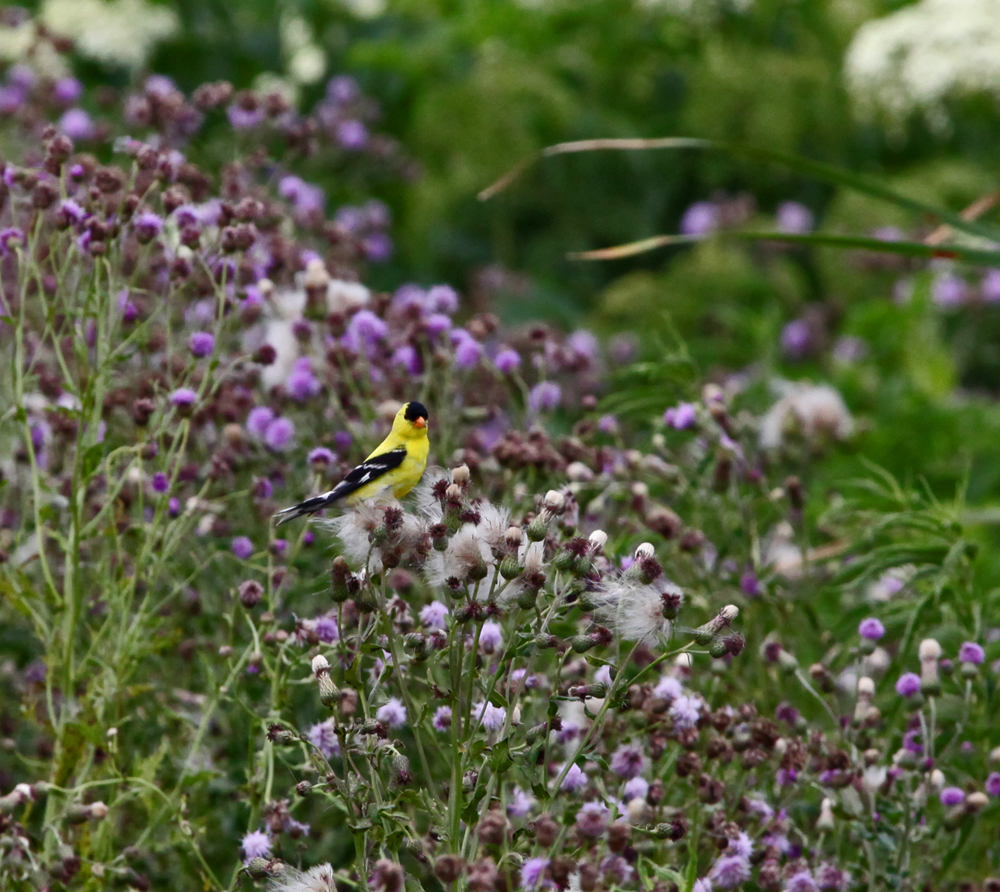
415, 410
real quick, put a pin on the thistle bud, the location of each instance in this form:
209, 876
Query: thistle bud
527, 598
930, 653
587, 691
554, 501
543, 641
329, 693
509, 567
262, 868
538, 529
365, 601
417, 644
379, 534
478, 571
303, 788
512, 538
582, 643
563, 561
280, 736
717, 647
705, 633
787, 662
448, 868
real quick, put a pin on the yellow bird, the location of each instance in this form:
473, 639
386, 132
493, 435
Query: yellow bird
396, 465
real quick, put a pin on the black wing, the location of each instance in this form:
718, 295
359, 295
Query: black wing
369, 470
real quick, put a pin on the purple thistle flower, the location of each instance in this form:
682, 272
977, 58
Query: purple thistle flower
302, 384
76, 124
161, 482
908, 684
948, 290
993, 784
636, 788
279, 434
147, 226
832, 879
801, 882
681, 416
700, 219
911, 742
201, 344
342, 89
406, 355
10, 238
433, 615
592, 819
490, 637
323, 736
392, 713
702, 885
729, 871
258, 420
67, 90
629, 761
437, 324
352, 135
970, 652
467, 349
242, 547
990, 286
256, 844
442, 299
575, 779
174, 507
442, 718
796, 339
669, 688
533, 873
544, 396
750, 585
685, 711
794, 218
321, 457
607, 424
326, 629
11, 99
364, 331
951, 796
241, 118
507, 361
71, 212
520, 804
871, 629
183, 397
489, 716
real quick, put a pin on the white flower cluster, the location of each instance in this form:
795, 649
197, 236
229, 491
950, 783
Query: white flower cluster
815, 411
122, 32
918, 57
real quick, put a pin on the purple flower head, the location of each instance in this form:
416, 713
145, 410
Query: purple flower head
729, 871
307, 199
342, 440
279, 434
342, 89
507, 361
433, 615
442, 718
636, 788
147, 226
992, 785
607, 424
970, 652
700, 219
242, 547
76, 124
796, 339
575, 779
323, 736
183, 397
544, 397
70, 212
533, 874
951, 796
302, 384
669, 688
592, 819
11, 99
327, 630
377, 246
520, 804
442, 299
393, 713
908, 684
174, 507
802, 881
161, 483
321, 457
831, 879
685, 711
871, 629
437, 324
948, 290
10, 238
629, 761
489, 716
258, 420
990, 286
702, 885
241, 118
750, 585
201, 344
794, 218
911, 742
407, 357
256, 844
490, 637
67, 90
352, 135
364, 331
681, 416
467, 349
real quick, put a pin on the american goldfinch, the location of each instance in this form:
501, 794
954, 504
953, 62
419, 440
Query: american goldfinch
396, 465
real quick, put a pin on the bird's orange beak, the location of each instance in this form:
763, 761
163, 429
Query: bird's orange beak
420, 422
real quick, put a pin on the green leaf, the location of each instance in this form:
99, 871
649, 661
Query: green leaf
499, 758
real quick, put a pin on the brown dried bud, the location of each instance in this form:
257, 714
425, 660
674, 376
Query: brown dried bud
492, 828
448, 868
546, 830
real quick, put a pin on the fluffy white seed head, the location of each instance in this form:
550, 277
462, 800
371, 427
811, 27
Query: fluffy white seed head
460, 475
320, 664
645, 550
554, 500
598, 538
866, 687
929, 650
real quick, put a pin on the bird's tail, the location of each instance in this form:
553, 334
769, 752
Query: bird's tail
309, 506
